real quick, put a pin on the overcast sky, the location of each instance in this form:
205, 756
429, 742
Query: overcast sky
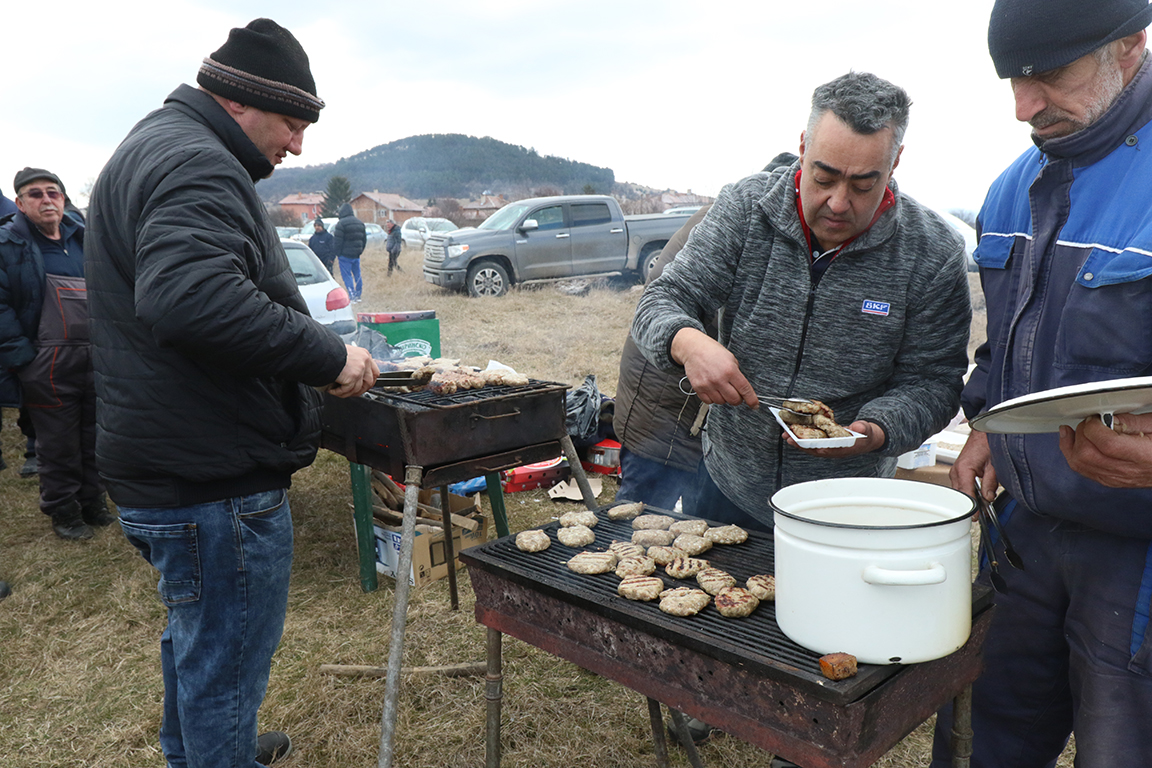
670, 94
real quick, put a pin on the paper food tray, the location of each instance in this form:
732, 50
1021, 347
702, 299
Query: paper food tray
827, 442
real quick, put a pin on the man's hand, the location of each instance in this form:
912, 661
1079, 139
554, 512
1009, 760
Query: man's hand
873, 440
359, 374
712, 369
1118, 458
975, 461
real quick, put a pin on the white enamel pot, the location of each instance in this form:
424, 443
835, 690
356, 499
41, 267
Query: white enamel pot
875, 567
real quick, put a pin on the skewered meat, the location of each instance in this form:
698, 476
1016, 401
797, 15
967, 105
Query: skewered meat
534, 540
502, 377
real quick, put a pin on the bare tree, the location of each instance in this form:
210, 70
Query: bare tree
282, 217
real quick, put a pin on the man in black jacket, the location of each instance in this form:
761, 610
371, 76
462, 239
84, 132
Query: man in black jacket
351, 237
207, 365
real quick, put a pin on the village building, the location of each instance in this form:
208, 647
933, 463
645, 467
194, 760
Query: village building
303, 205
378, 207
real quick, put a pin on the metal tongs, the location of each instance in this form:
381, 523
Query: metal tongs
774, 401
990, 520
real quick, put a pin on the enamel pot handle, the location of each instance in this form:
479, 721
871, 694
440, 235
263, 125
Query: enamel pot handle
933, 574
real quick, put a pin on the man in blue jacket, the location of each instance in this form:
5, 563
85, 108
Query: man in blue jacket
323, 244
1065, 257
44, 343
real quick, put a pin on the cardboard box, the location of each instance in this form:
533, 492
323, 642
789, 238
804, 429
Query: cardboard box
416, 333
924, 456
428, 555
936, 474
539, 475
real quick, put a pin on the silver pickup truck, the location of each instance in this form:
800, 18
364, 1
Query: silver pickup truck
547, 238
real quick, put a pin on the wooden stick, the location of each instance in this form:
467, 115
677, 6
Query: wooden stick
389, 487
450, 670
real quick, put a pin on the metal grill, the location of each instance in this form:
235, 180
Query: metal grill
752, 641
428, 399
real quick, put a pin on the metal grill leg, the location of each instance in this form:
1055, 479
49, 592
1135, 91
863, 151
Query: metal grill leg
493, 693
449, 546
680, 724
412, 478
578, 472
658, 740
496, 499
362, 517
962, 728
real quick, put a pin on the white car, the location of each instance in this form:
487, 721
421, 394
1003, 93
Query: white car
967, 232
416, 230
327, 300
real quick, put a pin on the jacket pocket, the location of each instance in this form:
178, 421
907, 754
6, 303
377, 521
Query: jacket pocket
1104, 326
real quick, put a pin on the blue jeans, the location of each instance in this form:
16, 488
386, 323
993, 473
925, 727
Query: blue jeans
350, 273
224, 569
655, 484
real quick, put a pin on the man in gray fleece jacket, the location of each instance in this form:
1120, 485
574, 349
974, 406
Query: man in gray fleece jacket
834, 286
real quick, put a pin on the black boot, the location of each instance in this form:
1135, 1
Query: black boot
68, 522
95, 511
5, 590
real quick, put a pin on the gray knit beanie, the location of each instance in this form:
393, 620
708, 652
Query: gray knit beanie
1027, 37
262, 65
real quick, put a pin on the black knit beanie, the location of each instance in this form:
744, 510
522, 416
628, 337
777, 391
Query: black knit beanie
1027, 37
263, 66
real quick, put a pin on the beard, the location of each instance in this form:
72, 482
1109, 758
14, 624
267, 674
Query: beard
1107, 88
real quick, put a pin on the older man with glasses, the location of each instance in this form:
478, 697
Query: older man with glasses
44, 342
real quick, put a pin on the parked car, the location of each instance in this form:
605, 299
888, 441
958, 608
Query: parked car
375, 233
689, 209
415, 231
547, 238
286, 232
327, 300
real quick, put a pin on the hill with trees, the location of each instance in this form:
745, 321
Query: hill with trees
445, 165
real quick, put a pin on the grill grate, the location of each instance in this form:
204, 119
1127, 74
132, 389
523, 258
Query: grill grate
427, 399
756, 639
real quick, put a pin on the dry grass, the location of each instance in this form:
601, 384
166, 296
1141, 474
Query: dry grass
79, 670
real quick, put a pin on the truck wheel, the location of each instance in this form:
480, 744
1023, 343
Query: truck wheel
648, 261
487, 278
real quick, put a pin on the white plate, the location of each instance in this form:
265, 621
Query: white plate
948, 445
1046, 411
827, 442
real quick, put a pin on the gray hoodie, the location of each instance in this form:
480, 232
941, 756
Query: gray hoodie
883, 336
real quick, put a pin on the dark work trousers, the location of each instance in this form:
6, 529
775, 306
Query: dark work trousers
60, 395
24, 422
1069, 649
394, 261
656, 484
712, 504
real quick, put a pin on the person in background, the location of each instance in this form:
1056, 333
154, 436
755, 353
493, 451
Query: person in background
207, 369
1065, 235
10, 387
323, 245
834, 286
350, 236
393, 246
44, 341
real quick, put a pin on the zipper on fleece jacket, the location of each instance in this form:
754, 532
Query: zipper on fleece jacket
796, 370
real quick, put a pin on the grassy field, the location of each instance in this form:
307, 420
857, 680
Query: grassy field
79, 668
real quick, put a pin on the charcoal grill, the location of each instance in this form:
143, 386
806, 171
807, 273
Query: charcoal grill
741, 675
434, 439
